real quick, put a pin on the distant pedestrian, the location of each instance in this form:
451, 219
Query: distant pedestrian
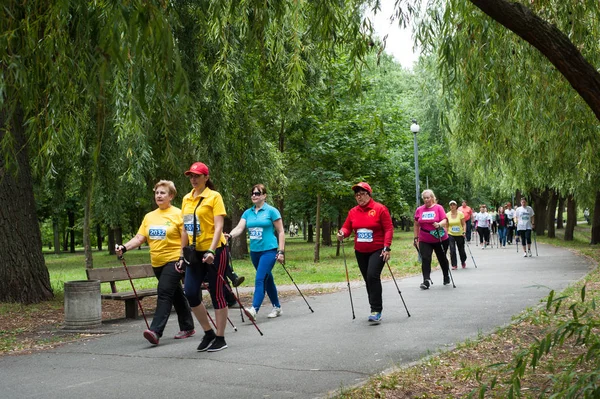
484, 223
267, 245
524, 219
510, 227
468, 212
162, 228
502, 223
430, 236
373, 231
456, 236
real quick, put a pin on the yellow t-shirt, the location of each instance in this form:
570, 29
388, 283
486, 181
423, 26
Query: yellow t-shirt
212, 205
162, 229
454, 224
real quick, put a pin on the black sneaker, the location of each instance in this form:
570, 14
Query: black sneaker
426, 284
446, 280
217, 345
209, 338
237, 280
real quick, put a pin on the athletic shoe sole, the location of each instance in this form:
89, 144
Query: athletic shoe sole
151, 337
220, 348
184, 334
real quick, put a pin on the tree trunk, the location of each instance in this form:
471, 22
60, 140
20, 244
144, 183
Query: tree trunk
99, 236
305, 229
24, 277
552, 43
239, 245
71, 230
318, 230
551, 214
338, 242
56, 233
561, 210
327, 233
540, 203
111, 241
311, 234
596, 221
571, 218
118, 235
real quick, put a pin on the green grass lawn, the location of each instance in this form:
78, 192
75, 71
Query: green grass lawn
299, 262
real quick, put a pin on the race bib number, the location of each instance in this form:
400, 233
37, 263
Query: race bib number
256, 233
364, 235
455, 229
525, 217
157, 232
188, 224
428, 216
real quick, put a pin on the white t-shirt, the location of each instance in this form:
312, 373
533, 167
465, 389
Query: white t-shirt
523, 216
483, 219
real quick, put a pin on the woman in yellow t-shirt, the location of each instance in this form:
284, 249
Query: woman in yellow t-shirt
162, 229
204, 213
456, 235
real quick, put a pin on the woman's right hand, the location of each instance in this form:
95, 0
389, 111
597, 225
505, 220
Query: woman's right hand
340, 235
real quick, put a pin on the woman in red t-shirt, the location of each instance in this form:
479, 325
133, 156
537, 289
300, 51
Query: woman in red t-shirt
373, 230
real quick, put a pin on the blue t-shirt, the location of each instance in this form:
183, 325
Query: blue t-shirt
260, 227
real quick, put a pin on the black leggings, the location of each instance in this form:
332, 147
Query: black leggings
427, 250
371, 265
457, 242
484, 234
525, 236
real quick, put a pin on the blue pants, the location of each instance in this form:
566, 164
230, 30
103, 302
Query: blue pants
263, 262
502, 235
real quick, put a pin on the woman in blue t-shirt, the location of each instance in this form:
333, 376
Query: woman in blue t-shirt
267, 245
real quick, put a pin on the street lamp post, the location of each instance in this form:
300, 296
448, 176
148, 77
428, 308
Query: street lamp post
415, 129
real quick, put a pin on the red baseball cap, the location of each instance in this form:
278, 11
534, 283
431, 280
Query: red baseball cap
364, 186
198, 168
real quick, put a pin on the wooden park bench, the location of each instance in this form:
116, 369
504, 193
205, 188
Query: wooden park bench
113, 274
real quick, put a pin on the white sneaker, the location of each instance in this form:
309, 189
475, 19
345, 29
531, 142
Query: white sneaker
525, 254
530, 254
251, 312
276, 312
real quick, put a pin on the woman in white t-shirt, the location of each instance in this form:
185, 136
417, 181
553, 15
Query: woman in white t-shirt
484, 222
524, 217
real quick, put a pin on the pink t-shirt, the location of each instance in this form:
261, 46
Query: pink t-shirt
426, 217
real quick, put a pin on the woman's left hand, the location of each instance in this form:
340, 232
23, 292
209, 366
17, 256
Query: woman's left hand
280, 258
208, 258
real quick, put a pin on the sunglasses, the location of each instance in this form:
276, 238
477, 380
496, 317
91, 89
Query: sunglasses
256, 193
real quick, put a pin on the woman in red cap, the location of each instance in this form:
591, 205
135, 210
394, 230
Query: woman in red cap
373, 230
203, 213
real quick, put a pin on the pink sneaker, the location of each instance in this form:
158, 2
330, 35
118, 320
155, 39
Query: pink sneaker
454, 267
151, 336
184, 334
464, 265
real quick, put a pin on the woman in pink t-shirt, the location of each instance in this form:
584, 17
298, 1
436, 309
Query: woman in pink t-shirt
429, 219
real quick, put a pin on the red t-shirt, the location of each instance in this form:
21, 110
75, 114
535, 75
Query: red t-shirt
467, 211
372, 227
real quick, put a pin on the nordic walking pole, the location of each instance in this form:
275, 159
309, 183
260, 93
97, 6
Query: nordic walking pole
473, 259
348, 281
291, 278
401, 297
535, 243
213, 322
122, 259
241, 307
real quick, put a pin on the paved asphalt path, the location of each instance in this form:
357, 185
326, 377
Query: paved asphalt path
302, 354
